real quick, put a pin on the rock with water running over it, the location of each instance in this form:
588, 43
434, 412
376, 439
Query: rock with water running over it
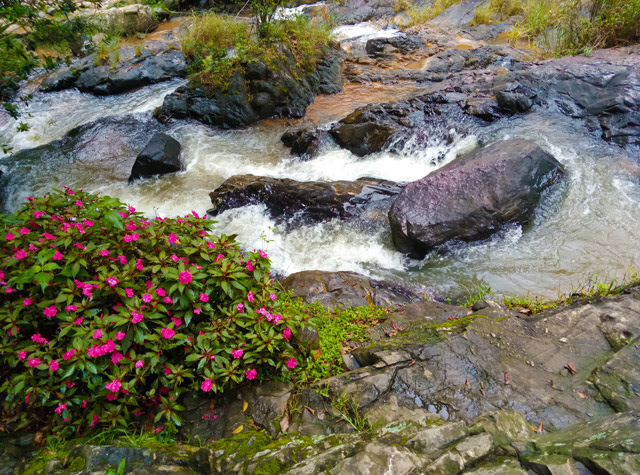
347, 288
299, 203
259, 92
473, 196
159, 157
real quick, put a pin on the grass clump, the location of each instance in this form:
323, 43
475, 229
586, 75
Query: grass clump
496, 11
335, 328
425, 13
219, 47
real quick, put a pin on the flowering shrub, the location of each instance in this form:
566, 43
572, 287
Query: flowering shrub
107, 316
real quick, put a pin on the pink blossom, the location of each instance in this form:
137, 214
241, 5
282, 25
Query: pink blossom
172, 237
204, 297
103, 252
139, 364
57, 256
38, 338
273, 296
8, 290
60, 408
122, 259
112, 281
167, 333
176, 321
120, 336
185, 277
206, 385
79, 203
95, 419
50, 311
240, 307
286, 333
147, 298
219, 257
167, 371
131, 237
33, 362
139, 265
10, 236
197, 311
251, 373
71, 308
22, 355
37, 214
84, 404
68, 355
116, 357
160, 292
131, 209
174, 258
168, 300
292, 363
54, 365
128, 292
24, 231
78, 321
87, 223
210, 245
250, 266
250, 296
48, 236
27, 302
237, 354
97, 335
262, 253
137, 317
21, 254
276, 319
80, 246
114, 386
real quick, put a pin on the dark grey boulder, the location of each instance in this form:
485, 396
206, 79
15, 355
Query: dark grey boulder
473, 196
363, 132
298, 203
259, 92
159, 157
305, 143
377, 47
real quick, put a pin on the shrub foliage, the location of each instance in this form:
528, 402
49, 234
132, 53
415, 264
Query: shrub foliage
107, 316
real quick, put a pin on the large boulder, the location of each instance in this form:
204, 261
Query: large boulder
159, 157
473, 196
346, 288
257, 93
297, 203
126, 20
131, 72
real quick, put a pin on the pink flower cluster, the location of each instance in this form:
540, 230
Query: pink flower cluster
100, 350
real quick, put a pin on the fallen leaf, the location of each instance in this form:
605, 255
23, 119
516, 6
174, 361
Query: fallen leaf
245, 404
313, 413
467, 383
571, 366
412, 363
321, 415
507, 378
154, 456
483, 392
317, 355
237, 430
212, 405
582, 395
284, 423
541, 427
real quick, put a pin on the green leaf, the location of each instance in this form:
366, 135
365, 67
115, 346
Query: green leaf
112, 217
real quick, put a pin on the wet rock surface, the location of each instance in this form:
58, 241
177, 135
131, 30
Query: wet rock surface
107, 147
346, 288
131, 72
473, 196
159, 157
123, 20
298, 203
259, 93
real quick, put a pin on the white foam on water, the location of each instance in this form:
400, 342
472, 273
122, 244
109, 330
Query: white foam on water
363, 32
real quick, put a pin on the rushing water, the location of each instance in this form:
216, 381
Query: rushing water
586, 226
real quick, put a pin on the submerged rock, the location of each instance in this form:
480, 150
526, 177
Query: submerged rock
346, 288
159, 157
298, 203
473, 196
259, 93
106, 148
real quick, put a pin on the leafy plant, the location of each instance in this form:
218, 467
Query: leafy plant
107, 317
350, 412
422, 14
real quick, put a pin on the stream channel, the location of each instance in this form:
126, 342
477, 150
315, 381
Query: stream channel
585, 228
